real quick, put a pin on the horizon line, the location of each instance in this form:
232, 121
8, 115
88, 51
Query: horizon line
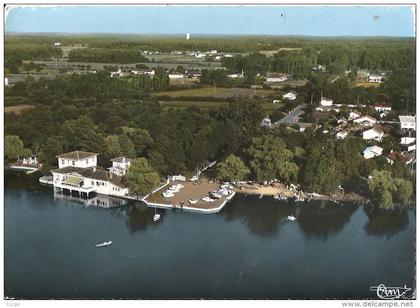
203, 34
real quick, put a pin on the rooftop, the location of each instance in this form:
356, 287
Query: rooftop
408, 119
91, 173
77, 155
121, 159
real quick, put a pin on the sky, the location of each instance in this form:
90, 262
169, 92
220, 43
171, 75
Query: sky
219, 20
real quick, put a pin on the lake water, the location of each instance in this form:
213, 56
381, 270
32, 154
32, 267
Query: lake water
248, 250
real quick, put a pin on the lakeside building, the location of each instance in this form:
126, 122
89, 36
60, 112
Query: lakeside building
78, 171
78, 159
28, 163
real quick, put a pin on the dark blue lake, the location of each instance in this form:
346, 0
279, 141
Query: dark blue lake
248, 250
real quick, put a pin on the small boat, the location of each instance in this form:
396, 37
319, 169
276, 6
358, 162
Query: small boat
193, 201
104, 244
291, 218
261, 196
156, 217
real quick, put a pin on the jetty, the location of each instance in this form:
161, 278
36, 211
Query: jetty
203, 195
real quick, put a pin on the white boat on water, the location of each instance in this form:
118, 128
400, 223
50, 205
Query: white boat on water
291, 218
156, 217
104, 244
193, 201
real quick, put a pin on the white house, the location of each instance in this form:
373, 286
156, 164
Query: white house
276, 77
266, 122
30, 160
176, 75
381, 107
78, 159
228, 56
376, 78
200, 55
236, 75
118, 73
78, 172
354, 115
213, 52
341, 134
275, 101
88, 180
375, 133
6, 81
143, 72
362, 74
57, 44
407, 123
365, 120
289, 96
408, 143
326, 101
120, 165
372, 151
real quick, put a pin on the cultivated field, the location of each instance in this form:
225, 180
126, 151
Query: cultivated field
267, 107
216, 92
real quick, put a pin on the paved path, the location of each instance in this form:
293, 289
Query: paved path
291, 116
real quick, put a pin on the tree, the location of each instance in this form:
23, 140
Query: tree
404, 190
48, 152
320, 169
127, 147
141, 177
232, 169
13, 148
271, 159
382, 186
113, 147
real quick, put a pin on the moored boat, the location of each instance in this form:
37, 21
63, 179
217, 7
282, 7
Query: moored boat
104, 244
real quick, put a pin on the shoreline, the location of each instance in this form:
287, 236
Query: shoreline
281, 190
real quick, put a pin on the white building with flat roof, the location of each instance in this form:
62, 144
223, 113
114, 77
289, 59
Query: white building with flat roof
120, 165
407, 122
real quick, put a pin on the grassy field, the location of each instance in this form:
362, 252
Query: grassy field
216, 92
267, 107
17, 109
366, 84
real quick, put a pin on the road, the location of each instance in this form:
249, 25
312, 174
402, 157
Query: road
289, 118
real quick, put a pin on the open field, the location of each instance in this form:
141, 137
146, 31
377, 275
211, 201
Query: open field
17, 109
216, 92
268, 107
366, 84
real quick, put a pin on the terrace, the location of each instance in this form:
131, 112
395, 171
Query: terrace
189, 191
